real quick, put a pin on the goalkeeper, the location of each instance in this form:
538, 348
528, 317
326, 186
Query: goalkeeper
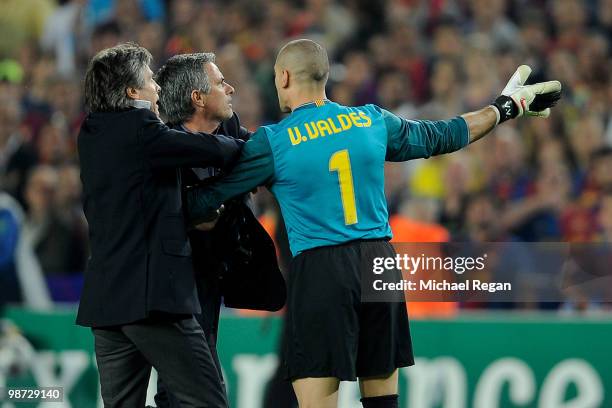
324, 163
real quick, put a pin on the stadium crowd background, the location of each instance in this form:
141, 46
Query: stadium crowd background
531, 180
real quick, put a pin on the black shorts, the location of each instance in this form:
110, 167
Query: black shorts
330, 331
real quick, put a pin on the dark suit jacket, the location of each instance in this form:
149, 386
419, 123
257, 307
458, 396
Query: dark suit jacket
237, 259
140, 255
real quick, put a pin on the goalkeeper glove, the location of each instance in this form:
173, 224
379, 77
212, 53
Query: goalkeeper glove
518, 99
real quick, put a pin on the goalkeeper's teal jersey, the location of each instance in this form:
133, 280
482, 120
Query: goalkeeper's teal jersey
325, 165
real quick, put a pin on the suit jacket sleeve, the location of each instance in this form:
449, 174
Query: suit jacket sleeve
165, 147
255, 167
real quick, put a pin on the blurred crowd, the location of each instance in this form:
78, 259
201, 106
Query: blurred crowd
531, 180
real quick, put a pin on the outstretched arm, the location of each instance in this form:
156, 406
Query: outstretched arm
480, 122
412, 139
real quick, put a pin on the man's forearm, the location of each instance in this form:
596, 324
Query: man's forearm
480, 122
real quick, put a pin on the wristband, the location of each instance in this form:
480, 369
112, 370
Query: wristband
506, 108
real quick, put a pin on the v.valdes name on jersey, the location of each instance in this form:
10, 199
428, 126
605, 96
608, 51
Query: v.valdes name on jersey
329, 126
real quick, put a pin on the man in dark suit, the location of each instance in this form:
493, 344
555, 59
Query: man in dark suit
236, 260
139, 295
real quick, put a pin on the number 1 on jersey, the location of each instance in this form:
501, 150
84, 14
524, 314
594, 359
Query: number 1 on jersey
340, 162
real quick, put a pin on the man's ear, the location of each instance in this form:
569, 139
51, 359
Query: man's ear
132, 92
198, 98
285, 79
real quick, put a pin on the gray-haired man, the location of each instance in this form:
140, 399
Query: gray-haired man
237, 259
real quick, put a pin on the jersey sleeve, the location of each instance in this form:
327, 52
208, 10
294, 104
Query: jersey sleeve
414, 139
255, 167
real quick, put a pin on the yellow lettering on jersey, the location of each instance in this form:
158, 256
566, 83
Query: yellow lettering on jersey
340, 162
324, 127
299, 134
333, 126
295, 140
345, 121
355, 119
328, 126
368, 121
312, 130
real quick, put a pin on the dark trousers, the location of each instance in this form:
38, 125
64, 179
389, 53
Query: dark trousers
175, 346
209, 293
164, 397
